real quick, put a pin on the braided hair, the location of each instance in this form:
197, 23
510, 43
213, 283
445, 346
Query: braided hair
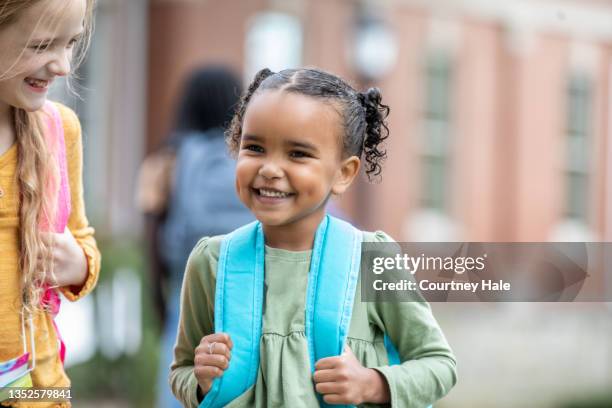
363, 113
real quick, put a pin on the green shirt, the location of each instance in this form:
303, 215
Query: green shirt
284, 378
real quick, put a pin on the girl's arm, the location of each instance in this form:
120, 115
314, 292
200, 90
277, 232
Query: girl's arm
196, 320
429, 369
78, 223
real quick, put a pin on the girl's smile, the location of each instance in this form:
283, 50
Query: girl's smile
37, 85
289, 164
272, 196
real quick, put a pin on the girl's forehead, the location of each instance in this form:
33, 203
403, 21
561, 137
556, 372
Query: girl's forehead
281, 104
50, 19
291, 115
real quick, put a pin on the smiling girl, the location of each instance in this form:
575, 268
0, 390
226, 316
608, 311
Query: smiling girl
46, 243
271, 314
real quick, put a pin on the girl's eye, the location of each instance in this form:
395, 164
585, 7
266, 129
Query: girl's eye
72, 43
298, 154
39, 48
254, 148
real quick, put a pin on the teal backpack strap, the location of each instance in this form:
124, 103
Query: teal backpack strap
392, 354
237, 280
332, 282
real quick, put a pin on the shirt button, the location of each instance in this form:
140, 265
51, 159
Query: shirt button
1, 192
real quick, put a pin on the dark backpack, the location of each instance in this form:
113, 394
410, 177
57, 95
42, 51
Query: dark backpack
204, 200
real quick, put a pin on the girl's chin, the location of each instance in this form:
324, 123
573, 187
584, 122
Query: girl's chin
33, 100
32, 105
272, 220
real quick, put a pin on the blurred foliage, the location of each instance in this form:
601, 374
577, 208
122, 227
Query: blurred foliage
131, 378
601, 400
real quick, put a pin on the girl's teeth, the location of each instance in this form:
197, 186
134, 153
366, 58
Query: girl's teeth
271, 193
36, 82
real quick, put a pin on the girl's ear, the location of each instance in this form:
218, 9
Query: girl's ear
349, 168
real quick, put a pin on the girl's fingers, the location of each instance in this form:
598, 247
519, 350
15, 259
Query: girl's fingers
54, 256
214, 347
212, 360
218, 338
51, 278
219, 348
204, 372
323, 376
212, 356
326, 388
335, 399
326, 363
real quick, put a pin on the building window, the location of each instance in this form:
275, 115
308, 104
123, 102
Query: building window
577, 157
436, 136
273, 40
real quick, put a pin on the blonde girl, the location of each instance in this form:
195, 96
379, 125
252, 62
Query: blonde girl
40, 40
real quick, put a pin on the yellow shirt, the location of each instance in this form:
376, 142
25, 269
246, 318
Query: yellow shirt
49, 371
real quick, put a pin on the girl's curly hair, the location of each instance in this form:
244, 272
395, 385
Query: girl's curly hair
363, 113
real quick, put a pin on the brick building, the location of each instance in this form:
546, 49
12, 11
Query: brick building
500, 125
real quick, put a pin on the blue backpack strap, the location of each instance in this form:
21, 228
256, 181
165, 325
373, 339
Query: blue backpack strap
237, 280
332, 282
392, 354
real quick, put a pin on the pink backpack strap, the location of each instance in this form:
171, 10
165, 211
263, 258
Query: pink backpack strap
56, 143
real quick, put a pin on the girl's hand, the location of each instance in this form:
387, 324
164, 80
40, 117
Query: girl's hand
69, 261
343, 380
211, 359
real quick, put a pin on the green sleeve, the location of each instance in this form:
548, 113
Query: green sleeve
429, 369
196, 318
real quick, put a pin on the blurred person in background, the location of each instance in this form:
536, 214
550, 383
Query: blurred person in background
46, 243
186, 190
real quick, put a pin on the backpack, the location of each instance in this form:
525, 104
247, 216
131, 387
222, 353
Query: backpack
204, 200
332, 282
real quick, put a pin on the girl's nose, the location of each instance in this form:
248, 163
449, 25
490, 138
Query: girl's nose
270, 170
60, 65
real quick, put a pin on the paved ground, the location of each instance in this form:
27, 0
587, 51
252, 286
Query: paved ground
527, 354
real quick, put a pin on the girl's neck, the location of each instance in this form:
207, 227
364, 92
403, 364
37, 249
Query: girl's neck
297, 236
